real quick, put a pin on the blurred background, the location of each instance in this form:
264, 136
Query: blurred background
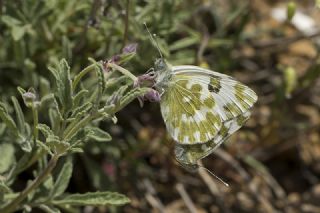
272, 164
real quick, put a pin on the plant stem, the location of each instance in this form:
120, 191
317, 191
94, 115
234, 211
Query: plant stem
123, 71
13, 205
35, 123
81, 124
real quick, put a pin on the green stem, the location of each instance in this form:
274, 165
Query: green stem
71, 125
14, 204
123, 71
79, 125
35, 123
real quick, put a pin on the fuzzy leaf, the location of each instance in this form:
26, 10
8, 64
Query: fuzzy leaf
10, 21
63, 84
113, 83
24, 142
4, 187
131, 96
98, 135
19, 115
2, 128
44, 147
93, 198
79, 96
44, 87
49, 209
54, 119
81, 110
18, 32
76, 150
45, 130
63, 179
58, 146
47, 99
7, 157
101, 81
7, 119
21, 90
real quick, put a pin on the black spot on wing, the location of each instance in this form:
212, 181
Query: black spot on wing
214, 85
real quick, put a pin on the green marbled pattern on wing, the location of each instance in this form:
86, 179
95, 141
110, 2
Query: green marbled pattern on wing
188, 111
188, 155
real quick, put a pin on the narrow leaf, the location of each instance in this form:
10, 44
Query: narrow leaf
98, 135
19, 114
7, 119
47, 99
63, 84
63, 179
81, 110
49, 209
93, 198
79, 96
131, 96
45, 130
7, 157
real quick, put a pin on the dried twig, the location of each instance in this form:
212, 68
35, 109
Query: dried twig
206, 177
213, 187
150, 196
186, 198
254, 190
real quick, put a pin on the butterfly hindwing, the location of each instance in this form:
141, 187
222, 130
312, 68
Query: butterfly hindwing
188, 155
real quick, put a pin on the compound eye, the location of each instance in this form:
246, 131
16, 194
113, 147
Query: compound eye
160, 64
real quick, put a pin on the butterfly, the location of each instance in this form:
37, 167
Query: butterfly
201, 108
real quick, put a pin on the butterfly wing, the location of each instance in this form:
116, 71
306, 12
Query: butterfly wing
188, 155
188, 111
232, 97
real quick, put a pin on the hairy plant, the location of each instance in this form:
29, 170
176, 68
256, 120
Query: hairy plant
73, 111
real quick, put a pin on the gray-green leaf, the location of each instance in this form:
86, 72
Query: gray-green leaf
7, 157
19, 115
63, 84
99, 135
7, 119
63, 179
49, 209
93, 198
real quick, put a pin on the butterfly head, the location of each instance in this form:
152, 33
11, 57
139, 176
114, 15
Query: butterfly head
160, 65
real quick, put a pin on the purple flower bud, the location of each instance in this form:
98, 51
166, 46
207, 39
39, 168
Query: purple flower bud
29, 97
147, 79
152, 96
130, 48
114, 59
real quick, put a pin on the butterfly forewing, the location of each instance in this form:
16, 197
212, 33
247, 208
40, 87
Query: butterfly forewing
198, 101
232, 97
188, 111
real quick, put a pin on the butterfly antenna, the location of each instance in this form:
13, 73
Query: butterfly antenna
222, 181
153, 39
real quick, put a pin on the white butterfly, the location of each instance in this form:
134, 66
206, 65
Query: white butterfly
200, 108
